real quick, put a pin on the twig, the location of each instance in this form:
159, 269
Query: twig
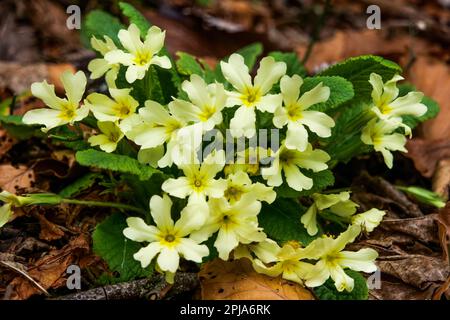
23, 273
155, 288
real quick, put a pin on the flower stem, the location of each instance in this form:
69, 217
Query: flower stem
104, 204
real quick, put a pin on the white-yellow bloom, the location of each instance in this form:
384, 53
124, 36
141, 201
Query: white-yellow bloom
266, 251
139, 55
369, 220
121, 108
159, 126
235, 223
250, 95
296, 115
199, 181
99, 66
339, 204
333, 260
168, 239
62, 110
207, 103
380, 135
288, 264
290, 161
109, 138
239, 184
248, 161
387, 104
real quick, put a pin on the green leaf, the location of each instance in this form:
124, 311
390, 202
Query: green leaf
294, 66
112, 246
114, 162
134, 16
328, 291
433, 107
99, 23
357, 70
140, 192
19, 130
80, 185
251, 53
424, 196
281, 221
341, 91
321, 180
187, 64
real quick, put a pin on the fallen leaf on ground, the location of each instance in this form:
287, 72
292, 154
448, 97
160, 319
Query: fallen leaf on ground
18, 77
13, 178
50, 270
236, 280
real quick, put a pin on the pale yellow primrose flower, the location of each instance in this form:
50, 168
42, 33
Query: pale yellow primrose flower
296, 115
239, 184
290, 161
109, 138
236, 223
140, 55
339, 204
387, 104
121, 108
199, 181
248, 95
159, 126
168, 239
266, 251
333, 260
207, 103
369, 220
62, 110
379, 134
99, 66
248, 161
288, 264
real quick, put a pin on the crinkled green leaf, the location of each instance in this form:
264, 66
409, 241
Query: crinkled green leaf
99, 23
281, 221
187, 64
357, 70
341, 91
80, 185
19, 130
114, 162
251, 54
294, 65
112, 246
328, 291
134, 16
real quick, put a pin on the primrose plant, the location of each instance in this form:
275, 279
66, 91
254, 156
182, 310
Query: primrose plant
193, 142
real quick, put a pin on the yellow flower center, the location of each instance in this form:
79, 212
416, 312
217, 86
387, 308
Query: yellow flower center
287, 156
197, 183
169, 238
207, 113
122, 109
68, 111
294, 112
142, 58
251, 96
385, 108
233, 193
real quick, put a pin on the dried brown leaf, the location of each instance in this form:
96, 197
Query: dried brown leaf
50, 270
236, 280
15, 178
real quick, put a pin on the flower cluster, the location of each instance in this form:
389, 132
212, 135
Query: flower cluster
222, 199
382, 131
